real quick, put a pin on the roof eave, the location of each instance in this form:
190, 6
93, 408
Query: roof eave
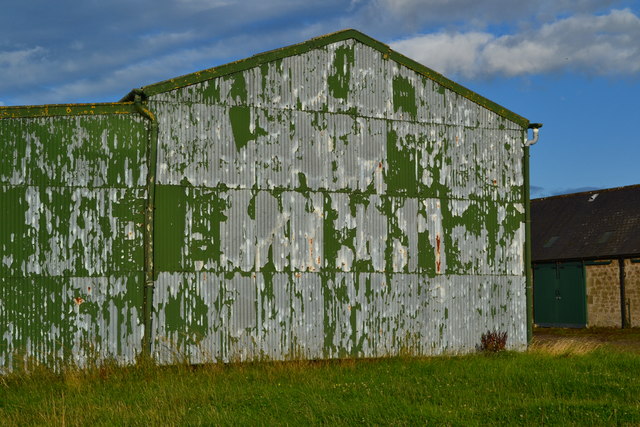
587, 258
22, 111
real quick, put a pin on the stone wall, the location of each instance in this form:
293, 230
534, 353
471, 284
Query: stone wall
603, 295
632, 292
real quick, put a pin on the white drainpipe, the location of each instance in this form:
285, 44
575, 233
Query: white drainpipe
535, 127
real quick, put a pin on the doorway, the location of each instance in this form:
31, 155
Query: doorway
559, 291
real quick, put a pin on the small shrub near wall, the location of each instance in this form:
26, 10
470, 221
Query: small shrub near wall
493, 341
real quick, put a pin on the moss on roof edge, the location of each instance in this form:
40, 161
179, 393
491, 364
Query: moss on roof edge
23, 111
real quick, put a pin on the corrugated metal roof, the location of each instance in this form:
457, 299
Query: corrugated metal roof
593, 224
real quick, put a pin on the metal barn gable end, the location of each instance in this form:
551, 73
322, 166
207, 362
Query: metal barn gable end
323, 200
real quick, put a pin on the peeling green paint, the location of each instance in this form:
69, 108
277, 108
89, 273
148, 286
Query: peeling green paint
338, 82
404, 97
244, 128
211, 93
240, 118
400, 174
238, 92
426, 250
332, 241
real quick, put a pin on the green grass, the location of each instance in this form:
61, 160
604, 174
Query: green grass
562, 386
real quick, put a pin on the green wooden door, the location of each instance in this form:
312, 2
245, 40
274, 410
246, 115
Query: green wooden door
571, 295
560, 295
544, 294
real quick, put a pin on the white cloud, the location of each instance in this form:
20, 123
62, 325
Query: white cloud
48, 63
125, 72
23, 67
128, 44
415, 15
205, 4
19, 58
590, 44
446, 53
165, 39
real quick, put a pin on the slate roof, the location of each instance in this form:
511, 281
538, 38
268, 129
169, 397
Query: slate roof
590, 225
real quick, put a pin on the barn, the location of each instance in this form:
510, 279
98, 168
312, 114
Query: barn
586, 258
324, 200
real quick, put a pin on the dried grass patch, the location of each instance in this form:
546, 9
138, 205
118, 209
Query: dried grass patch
565, 346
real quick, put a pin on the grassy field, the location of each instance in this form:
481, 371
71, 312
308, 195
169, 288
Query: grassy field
562, 381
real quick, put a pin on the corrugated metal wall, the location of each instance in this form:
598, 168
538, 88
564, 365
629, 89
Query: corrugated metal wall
326, 204
334, 203
72, 195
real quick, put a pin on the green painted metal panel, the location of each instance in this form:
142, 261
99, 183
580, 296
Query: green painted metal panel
81, 151
72, 197
188, 228
58, 321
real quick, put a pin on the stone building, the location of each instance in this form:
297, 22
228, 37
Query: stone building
586, 258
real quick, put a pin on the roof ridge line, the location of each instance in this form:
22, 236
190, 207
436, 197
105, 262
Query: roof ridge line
314, 43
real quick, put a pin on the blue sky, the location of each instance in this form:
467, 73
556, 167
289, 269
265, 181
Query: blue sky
573, 65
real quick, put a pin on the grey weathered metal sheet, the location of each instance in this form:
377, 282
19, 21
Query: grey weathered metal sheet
211, 316
362, 209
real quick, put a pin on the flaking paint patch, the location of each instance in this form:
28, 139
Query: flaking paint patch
71, 237
80, 231
77, 151
70, 320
